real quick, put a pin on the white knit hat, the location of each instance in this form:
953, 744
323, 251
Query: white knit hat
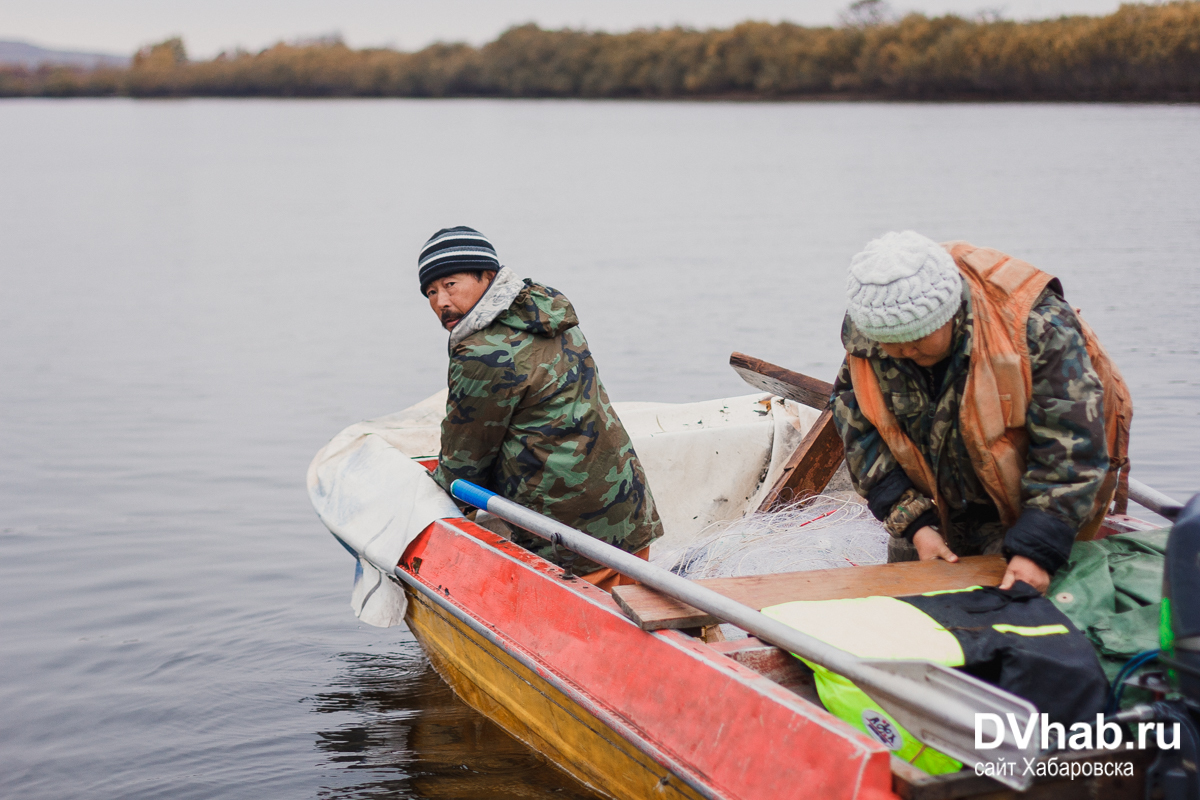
902, 286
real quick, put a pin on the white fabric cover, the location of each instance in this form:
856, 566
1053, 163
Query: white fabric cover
713, 460
375, 499
705, 462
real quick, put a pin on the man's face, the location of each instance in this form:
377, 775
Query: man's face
926, 351
453, 296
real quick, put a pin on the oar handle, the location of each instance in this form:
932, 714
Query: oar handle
472, 495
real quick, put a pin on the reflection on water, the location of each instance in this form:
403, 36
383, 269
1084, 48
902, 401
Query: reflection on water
407, 735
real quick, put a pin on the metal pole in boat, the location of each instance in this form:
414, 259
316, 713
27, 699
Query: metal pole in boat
1154, 500
938, 705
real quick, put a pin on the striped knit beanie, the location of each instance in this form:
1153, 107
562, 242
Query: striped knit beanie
902, 287
451, 250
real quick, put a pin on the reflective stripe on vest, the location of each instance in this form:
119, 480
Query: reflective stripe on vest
1024, 630
936, 592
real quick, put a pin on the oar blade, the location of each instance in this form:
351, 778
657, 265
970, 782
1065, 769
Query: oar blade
948, 722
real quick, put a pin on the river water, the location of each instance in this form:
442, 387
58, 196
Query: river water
195, 295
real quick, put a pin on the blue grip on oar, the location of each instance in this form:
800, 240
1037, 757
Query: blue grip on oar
471, 494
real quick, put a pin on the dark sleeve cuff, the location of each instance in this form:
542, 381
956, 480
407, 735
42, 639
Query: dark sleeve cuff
929, 518
442, 477
1042, 538
884, 495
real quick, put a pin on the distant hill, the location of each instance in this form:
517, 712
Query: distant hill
30, 56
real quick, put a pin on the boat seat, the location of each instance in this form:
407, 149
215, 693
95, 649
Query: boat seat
653, 611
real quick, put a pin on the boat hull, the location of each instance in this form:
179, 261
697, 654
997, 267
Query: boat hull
628, 713
531, 710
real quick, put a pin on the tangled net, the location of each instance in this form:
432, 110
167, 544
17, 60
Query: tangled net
820, 532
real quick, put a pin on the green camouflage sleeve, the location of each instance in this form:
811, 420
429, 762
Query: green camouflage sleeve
868, 459
1068, 452
485, 389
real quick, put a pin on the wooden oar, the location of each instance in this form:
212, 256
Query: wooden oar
938, 705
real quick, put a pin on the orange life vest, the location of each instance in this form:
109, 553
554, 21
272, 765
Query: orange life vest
998, 389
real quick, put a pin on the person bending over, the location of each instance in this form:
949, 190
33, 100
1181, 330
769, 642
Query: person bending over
979, 413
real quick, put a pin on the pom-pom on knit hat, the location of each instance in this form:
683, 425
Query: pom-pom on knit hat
902, 286
451, 250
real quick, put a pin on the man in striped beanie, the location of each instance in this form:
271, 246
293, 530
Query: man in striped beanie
527, 415
455, 268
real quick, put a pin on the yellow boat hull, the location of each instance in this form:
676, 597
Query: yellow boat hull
534, 712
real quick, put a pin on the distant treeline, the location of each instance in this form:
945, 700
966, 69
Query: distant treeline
1141, 52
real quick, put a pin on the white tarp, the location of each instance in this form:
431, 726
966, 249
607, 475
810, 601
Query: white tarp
713, 460
375, 499
705, 462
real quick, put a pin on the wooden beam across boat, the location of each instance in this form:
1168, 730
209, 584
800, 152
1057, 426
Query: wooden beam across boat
809, 469
653, 611
781, 381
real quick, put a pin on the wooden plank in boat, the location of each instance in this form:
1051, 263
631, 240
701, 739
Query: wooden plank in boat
773, 663
781, 381
654, 611
809, 469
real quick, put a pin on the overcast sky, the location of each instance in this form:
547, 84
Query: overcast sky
209, 26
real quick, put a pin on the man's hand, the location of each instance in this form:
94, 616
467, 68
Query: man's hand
1024, 569
931, 545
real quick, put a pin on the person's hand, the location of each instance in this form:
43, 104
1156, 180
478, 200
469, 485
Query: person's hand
931, 545
1025, 569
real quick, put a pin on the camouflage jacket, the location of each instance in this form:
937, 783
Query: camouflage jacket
528, 418
1065, 465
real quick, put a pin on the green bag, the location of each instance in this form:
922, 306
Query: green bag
1112, 590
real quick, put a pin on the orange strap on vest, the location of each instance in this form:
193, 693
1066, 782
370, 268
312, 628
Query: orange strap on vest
998, 389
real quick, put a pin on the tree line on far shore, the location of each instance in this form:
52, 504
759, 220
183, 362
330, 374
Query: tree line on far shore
1140, 52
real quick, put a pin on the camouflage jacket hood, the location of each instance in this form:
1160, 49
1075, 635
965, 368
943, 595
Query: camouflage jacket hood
528, 418
1067, 457
497, 301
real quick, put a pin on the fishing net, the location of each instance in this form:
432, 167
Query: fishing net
821, 532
